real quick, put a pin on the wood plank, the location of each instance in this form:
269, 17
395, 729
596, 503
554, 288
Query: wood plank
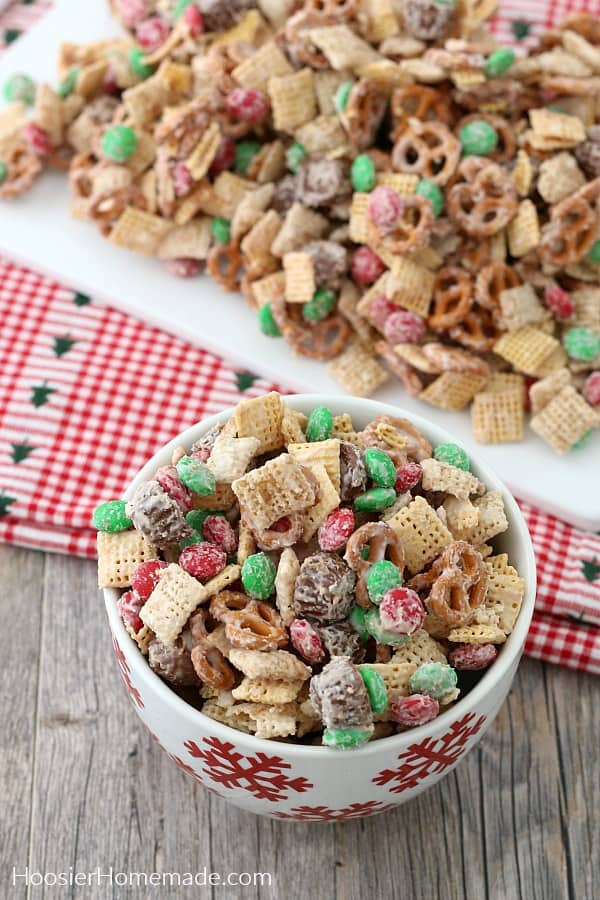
21, 600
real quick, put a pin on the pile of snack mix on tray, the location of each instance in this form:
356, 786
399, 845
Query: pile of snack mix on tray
313, 581
390, 189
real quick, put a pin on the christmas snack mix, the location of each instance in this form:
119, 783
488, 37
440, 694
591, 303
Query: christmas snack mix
302, 580
392, 191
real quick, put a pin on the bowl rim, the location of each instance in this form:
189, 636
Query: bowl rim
511, 650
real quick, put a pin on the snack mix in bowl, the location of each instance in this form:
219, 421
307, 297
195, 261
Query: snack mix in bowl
391, 190
297, 579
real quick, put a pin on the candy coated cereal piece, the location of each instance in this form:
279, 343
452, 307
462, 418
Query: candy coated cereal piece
220, 230
434, 679
408, 476
356, 617
375, 500
341, 96
384, 207
594, 253
375, 628
217, 530
430, 190
258, 576
145, 577
353, 475
295, 155
136, 61
362, 174
196, 476
21, 88
306, 641
366, 266
244, 153
321, 304
559, 302
453, 455
376, 689
591, 389
118, 143
472, 656
341, 639
381, 578
203, 560
67, 85
320, 424
129, 605
324, 588
111, 516
581, 344
169, 480
401, 611
499, 62
346, 738
266, 321
417, 709
339, 695
247, 105
478, 138
336, 529
380, 467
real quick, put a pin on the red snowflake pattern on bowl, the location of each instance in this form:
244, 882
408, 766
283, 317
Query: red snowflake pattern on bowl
263, 776
125, 671
325, 814
431, 756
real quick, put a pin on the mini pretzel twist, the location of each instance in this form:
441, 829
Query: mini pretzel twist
477, 331
380, 539
452, 297
209, 664
418, 102
428, 149
108, 206
257, 626
22, 169
363, 113
411, 229
225, 603
457, 583
491, 281
225, 264
415, 446
298, 44
573, 227
485, 202
320, 340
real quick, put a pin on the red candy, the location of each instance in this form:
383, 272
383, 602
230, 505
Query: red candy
109, 82
418, 709
379, 310
559, 302
281, 525
384, 207
472, 656
152, 33
132, 12
145, 577
37, 139
129, 606
170, 482
403, 327
336, 529
194, 20
306, 641
366, 267
182, 179
401, 611
217, 530
203, 560
183, 267
202, 454
407, 477
591, 389
224, 157
248, 105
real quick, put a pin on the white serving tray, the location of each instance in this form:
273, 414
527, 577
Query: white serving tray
37, 231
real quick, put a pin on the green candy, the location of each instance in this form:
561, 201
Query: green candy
382, 577
194, 538
581, 344
320, 424
20, 88
111, 516
67, 85
340, 98
499, 62
362, 174
3, 171
356, 618
434, 679
220, 230
137, 64
520, 29
180, 7
429, 189
582, 440
346, 738
196, 476
245, 152
376, 629
594, 253
119, 143
197, 517
376, 689
320, 306
380, 467
295, 155
266, 321
258, 576
453, 455
478, 138
375, 500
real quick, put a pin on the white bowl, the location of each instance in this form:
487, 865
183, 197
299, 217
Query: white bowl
310, 783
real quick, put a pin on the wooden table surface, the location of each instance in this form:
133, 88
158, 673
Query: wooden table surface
83, 786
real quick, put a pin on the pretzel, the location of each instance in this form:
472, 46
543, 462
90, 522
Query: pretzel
211, 667
453, 359
225, 264
428, 149
478, 330
459, 586
380, 539
300, 47
108, 207
452, 298
320, 340
485, 202
412, 227
23, 168
226, 602
413, 445
505, 150
491, 281
257, 626
571, 232
419, 102
363, 113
